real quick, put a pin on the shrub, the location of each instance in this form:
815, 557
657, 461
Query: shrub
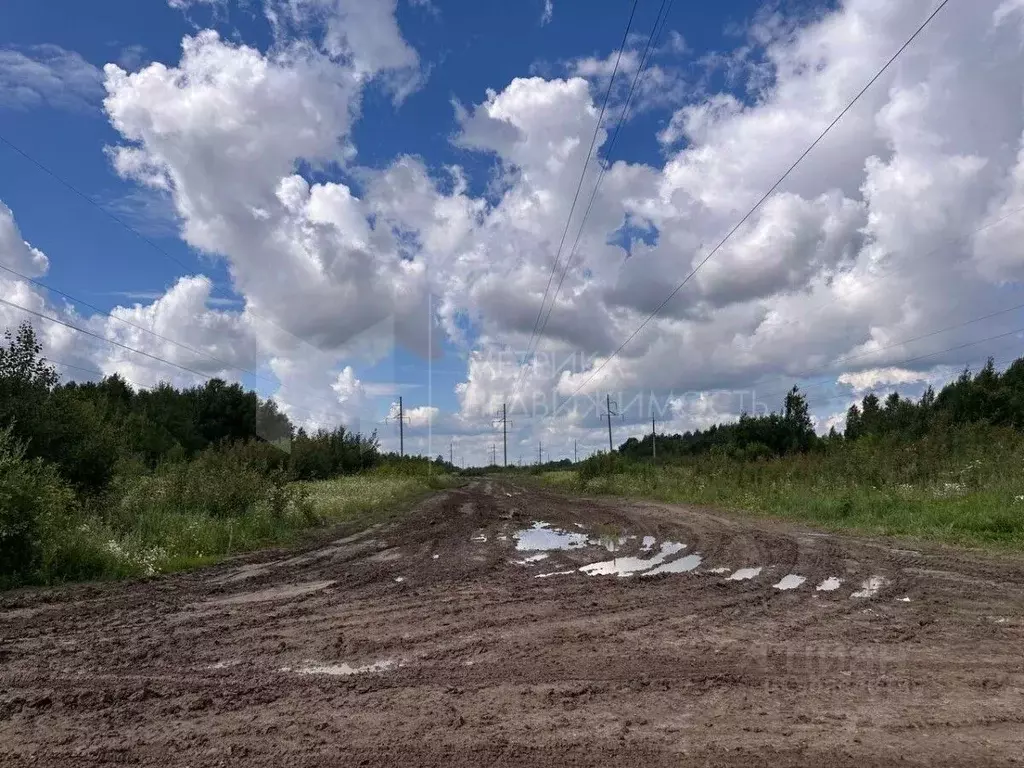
34, 500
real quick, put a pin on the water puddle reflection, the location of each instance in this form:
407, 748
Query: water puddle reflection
871, 586
792, 581
682, 565
831, 584
532, 559
542, 537
626, 566
744, 574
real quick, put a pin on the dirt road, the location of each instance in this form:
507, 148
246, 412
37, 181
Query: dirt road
437, 643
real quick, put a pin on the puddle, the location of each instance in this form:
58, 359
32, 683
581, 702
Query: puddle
343, 670
904, 599
553, 573
542, 537
831, 584
721, 569
532, 559
399, 579
744, 573
626, 566
434, 557
871, 586
479, 538
615, 543
648, 543
792, 581
682, 565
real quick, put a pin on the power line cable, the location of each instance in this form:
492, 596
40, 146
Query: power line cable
641, 71
316, 396
125, 347
916, 358
900, 343
583, 176
135, 325
762, 200
103, 338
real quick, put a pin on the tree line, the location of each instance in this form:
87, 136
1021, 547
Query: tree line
89, 430
987, 397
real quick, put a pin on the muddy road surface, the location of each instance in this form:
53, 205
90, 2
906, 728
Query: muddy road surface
499, 625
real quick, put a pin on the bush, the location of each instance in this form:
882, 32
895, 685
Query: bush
34, 500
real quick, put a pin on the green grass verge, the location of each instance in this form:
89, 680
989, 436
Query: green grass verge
975, 502
142, 536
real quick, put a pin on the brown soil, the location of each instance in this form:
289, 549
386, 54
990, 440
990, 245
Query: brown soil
479, 663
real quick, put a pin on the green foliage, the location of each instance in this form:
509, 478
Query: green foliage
33, 500
98, 480
752, 437
330, 453
961, 484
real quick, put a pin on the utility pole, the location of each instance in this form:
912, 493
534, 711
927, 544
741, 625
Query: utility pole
654, 442
494, 455
451, 452
502, 416
574, 458
612, 411
608, 403
401, 426
540, 454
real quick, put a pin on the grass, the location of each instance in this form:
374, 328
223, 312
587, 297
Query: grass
957, 489
143, 535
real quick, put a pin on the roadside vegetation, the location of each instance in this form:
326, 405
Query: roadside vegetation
99, 480
949, 466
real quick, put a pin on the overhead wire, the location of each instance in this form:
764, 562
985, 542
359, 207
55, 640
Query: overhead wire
901, 342
917, 358
579, 186
206, 355
652, 42
127, 348
760, 202
87, 332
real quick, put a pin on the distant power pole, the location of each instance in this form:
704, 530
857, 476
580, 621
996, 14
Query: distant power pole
540, 454
608, 402
494, 454
503, 418
451, 451
654, 441
574, 459
401, 426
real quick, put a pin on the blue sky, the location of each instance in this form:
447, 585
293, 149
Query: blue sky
445, 146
